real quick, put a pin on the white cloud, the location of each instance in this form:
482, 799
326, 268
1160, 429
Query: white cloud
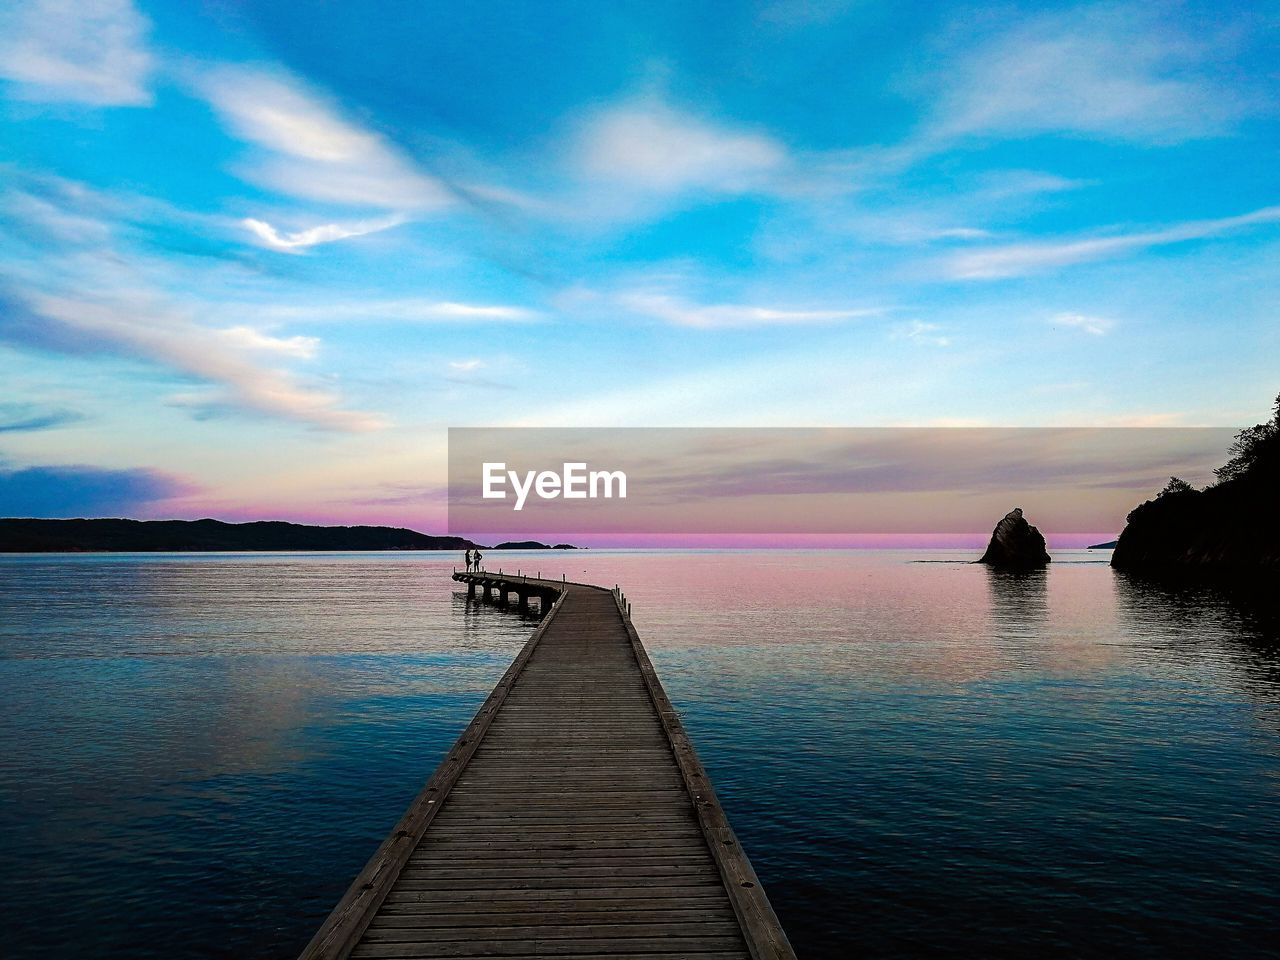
646, 145
78, 285
1098, 326
296, 241
84, 51
143, 327
917, 331
52, 220
683, 313
466, 366
310, 149
1011, 184
1015, 260
1109, 71
957, 233
250, 339
408, 310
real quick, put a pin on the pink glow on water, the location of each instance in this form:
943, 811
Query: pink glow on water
793, 541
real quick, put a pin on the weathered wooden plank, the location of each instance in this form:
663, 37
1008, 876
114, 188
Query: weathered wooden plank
558, 870
514, 820
422, 869
388, 951
670, 893
563, 886
598, 831
388, 930
565, 796
508, 846
521, 916
681, 955
547, 948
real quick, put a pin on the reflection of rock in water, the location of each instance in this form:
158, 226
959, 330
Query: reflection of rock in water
1019, 601
1233, 631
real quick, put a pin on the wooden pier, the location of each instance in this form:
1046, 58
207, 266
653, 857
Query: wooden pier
572, 817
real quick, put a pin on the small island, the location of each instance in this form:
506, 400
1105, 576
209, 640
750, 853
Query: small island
1015, 544
1230, 527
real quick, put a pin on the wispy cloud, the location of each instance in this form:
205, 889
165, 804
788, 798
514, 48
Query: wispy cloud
404, 310
144, 327
927, 334
83, 51
646, 145
297, 241
1097, 326
26, 417
310, 149
248, 338
684, 313
1012, 260
465, 366
88, 291
1004, 185
1110, 71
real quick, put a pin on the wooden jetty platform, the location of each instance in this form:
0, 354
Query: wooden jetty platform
571, 818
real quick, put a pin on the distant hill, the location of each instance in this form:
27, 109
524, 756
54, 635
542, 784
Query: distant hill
1109, 545
532, 545
56, 536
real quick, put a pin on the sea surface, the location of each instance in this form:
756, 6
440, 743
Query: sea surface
923, 759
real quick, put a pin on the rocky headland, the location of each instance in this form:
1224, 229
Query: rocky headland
1231, 527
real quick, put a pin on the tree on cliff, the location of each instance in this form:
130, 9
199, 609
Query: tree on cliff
1256, 450
1176, 485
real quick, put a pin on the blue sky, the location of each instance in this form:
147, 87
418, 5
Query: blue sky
255, 258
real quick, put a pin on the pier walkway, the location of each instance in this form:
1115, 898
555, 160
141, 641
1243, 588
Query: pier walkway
572, 817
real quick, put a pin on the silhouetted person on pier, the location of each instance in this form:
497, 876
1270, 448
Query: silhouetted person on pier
478, 558
468, 556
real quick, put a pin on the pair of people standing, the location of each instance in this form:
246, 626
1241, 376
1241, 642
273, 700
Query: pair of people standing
473, 561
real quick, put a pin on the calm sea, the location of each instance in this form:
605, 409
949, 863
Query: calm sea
922, 758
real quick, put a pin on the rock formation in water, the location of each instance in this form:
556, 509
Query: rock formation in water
1232, 527
1015, 544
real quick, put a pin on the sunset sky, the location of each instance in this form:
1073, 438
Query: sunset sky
256, 258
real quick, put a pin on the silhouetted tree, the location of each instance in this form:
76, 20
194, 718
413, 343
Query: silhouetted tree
1176, 485
1256, 450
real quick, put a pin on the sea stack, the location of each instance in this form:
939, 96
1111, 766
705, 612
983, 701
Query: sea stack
1015, 544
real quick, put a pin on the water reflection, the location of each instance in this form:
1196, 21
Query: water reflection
201, 751
922, 759
1230, 630
1019, 601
